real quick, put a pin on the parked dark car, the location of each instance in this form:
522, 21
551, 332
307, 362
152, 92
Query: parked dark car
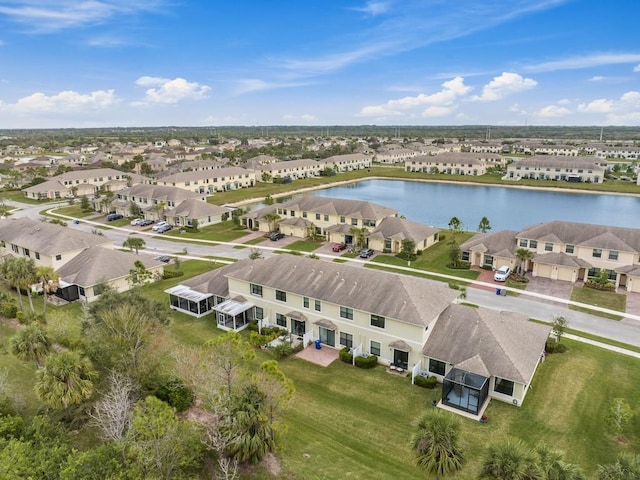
164, 228
338, 247
114, 216
276, 236
366, 253
163, 258
145, 222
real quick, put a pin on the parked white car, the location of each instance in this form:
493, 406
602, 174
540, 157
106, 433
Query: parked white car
159, 226
136, 221
502, 274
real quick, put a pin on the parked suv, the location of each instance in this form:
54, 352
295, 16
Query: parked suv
164, 228
276, 236
502, 274
114, 216
366, 253
338, 247
159, 225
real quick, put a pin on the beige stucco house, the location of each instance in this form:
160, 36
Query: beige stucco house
210, 181
566, 169
454, 163
392, 231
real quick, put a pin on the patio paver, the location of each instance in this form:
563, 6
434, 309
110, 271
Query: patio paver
323, 357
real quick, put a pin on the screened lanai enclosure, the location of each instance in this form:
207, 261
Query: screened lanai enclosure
464, 390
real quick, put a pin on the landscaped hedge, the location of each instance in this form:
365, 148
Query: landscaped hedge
554, 347
172, 274
8, 310
366, 362
600, 286
345, 356
426, 382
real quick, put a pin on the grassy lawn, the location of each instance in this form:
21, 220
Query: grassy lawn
220, 232
304, 246
18, 196
75, 211
610, 300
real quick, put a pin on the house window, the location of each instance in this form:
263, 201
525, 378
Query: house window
436, 366
342, 219
305, 302
218, 300
304, 214
533, 244
354, 222
503, 386
326, 218
613, 255
465, 256
488, 260
317, 305
523, 242
258, 313
256, 290
346, 339
317, 216
569, 249
597, 253
346, 312
369, 223
280, 295
16, 249
37, 254
81, 291
375, 348
387, 244
281, 320
377, 321
25, 251
548, 247
58, 257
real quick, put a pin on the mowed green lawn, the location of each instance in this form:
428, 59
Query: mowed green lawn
219, 232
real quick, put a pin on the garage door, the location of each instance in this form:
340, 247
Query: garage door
543, 271
565, 274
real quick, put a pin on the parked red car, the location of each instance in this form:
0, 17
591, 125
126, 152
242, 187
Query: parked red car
338, 247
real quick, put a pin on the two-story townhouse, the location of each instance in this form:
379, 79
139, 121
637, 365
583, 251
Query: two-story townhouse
454, 163
406, 322
153, 200
394, 154
348, 162
211, 181
390, 234
291, 169
333, 218
569, 169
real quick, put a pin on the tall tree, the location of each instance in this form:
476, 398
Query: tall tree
484, 225
20, 273
436, 444
48, 279
455, 225
272, 220
134, 243
560, 325
511, 460
162, 444
66, 380
112, 413
31, 343
626, 467
554, 466
278, 390
523, 255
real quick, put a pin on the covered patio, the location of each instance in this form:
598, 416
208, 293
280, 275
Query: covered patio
465, 390
191, 302
234, 314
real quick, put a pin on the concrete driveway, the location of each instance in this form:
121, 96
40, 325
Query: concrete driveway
553, 288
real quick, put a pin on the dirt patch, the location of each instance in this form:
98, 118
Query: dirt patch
196, 413
10, 322
272, 464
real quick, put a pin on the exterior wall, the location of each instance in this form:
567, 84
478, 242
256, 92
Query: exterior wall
121, 284
43, 260
294, 231
360, 328
214, 181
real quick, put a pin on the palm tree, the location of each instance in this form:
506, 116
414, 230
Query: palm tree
359, 234
523, 255
272, 220
159, 209
48, 279
134, 243
484, 225
554, 467
511, 460
31, 344
20, 273
436, 444
66, 380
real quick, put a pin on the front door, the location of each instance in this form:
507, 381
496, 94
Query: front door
401, 359
297, 327
328, 337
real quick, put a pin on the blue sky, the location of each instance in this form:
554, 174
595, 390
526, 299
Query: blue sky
93, 63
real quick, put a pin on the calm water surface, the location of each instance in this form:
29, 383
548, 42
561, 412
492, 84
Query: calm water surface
506, 208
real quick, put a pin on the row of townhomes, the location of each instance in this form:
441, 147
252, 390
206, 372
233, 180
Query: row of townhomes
455, 163
568, 169
341, 221
85, 263
572, 252
410, 323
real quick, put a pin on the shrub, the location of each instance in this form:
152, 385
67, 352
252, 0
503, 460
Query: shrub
176, 394
8, 309
599, 286
22, 318
258, 340
369, 361
283, 350
426, 382
462, 266
252, 326
346, 356
171, 274
554, 347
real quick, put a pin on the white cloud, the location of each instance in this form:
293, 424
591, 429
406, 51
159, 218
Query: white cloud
250, 85
63, 102
436, 111
597, 78
299, 118
632, 98
452, 90
373, 8
553, 111
564, 101
45, 17
167, 91
506, 84
600, 105
575, 63
636, 68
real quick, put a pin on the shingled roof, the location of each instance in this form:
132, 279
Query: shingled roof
505, 344
339, 206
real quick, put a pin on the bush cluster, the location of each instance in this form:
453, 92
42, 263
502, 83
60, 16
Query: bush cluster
426, 382
8, 310
345, 356
176, 394
168, 273
366, 362
554, 347
599, 286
